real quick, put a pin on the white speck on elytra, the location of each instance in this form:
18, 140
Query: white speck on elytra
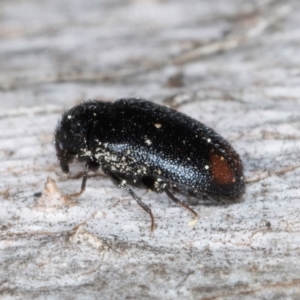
148, 142
69, 117
86, 152
208, 140
157, 125
206, 167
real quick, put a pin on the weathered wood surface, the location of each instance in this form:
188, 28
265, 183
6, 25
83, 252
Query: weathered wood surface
234, 65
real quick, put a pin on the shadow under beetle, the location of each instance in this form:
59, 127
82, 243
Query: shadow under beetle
136, 142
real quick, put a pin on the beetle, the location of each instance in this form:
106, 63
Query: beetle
139, 143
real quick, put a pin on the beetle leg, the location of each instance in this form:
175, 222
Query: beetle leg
145, 207
177, 201
123, 185
83, 183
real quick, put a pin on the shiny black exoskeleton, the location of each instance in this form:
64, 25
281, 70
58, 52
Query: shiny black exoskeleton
140, 143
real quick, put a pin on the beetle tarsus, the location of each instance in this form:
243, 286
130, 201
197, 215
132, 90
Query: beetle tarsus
116, 180
177, 201
83, 183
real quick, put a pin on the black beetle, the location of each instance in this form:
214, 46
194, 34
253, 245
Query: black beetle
140, 143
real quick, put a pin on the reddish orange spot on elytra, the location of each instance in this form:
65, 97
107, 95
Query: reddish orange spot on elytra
220, 169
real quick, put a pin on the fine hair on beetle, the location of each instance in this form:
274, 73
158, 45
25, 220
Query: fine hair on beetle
139, 143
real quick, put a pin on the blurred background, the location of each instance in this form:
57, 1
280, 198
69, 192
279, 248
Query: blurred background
63, 52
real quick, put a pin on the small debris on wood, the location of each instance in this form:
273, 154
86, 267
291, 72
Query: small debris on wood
52, 198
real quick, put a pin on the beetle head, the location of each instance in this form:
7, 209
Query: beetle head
71, 133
